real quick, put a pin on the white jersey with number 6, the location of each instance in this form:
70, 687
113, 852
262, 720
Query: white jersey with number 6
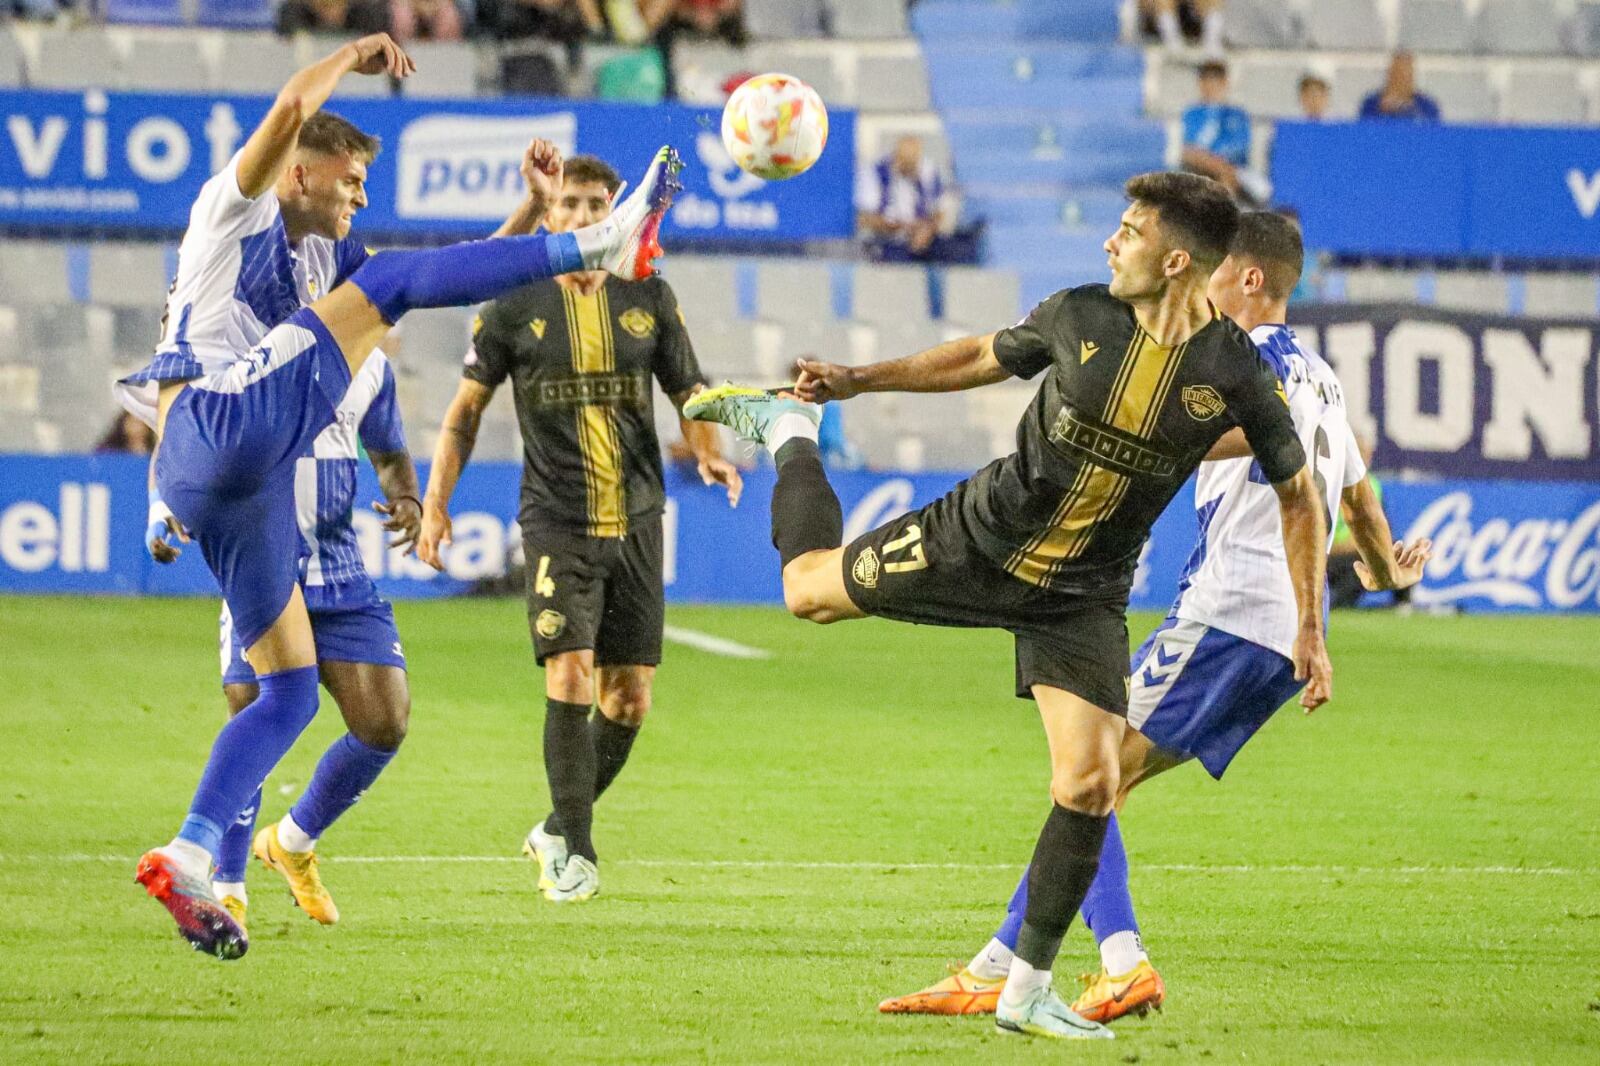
1237, 580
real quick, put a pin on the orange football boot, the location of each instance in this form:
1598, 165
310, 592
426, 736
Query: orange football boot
960, 993
1106, 998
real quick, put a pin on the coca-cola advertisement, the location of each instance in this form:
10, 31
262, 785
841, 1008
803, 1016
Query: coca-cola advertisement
1465, 395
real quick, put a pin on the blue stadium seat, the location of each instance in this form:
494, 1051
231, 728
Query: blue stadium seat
146, 12
236, 14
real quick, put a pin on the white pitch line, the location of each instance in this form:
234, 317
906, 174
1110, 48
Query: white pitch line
730, 649
884, 867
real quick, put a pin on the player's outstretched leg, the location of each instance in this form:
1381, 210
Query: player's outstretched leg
807, 522
227, 881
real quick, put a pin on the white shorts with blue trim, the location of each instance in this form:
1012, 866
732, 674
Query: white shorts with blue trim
1201, 693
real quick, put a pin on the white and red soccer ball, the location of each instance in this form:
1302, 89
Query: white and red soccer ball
774, 126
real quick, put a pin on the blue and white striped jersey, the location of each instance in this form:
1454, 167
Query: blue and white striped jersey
325, 482
1237, 579
238, 276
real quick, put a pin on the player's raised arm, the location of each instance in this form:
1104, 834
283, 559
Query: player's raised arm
1385, 564
457, 437
543, 172
267, 151
964, 363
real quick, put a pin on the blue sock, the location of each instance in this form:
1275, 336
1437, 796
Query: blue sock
234, 855
1007, 933
1108, 908
246, 750
459, 275
347, 769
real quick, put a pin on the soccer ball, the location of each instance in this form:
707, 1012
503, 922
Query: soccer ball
774, 126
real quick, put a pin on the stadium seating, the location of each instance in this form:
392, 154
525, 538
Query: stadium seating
236, 14
1519, 27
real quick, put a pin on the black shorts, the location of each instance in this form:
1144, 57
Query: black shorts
600, 594
923, 568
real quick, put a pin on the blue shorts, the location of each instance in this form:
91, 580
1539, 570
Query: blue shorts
1203, 693
350, 623
227, 460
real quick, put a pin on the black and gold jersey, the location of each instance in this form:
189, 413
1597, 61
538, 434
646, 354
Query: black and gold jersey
1118, 424
580, 369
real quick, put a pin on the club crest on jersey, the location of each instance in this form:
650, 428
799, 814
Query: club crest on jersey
638, 322
1086, 350
1202, 402
865, 569
550, 624
538, 326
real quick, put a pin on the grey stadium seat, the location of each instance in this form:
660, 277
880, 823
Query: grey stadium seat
889, 293
784, 19
1544, 95
815, 69
1472, 290
1353, 79
46, 331
897, 83
1463, 95
1520, 27
820, 338
982, 300
11, 65
163, 63
259, 62
34, 272
726, 348
706, 287
1559, 295
1381, 286
134, 333
793, 291
1260, 24
1435, 26
1268, 86
1350, 25
128, 275
870, 18
443, 69
76, 59
1174, 89
907, 336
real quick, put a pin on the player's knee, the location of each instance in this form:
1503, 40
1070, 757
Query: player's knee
627, 708
569, 677
1088, 791
387, 731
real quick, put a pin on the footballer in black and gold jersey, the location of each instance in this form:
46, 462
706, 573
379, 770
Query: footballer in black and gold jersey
583, 355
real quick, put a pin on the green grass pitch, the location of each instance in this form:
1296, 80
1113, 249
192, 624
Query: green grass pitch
1410, 875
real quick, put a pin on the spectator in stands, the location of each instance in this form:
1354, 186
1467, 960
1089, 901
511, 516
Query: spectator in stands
1313, 97
1216, 138
704, 19
127, 433
425, 20
333, 16
37, 9
1399, 98
1170, 16
563, 21
901, 205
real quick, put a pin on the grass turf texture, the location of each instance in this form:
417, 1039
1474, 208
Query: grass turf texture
1353, 893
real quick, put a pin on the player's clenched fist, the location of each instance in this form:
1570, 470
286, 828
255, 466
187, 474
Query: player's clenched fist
435, 534
820, 382
542, 169
378, 54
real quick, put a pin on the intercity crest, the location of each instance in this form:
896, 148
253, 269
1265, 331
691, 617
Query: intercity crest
538, 327
865, 569
1202, 402
638, 322
550, 624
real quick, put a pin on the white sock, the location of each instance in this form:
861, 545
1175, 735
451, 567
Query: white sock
293, 838
1211, 34
1121, 952
597, 241
1022, 982
787, 427
230, 888
992, 963
191, 856
1171, 32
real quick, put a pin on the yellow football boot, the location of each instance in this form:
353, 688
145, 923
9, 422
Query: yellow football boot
1106, 998
299, 868
960, 993
236, 907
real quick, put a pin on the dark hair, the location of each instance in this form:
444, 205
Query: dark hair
1272, 242
583, 169
1212, 68
1196, 213
327, 134
1311, 78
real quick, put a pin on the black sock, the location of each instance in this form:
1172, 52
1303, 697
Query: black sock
805, 512
1064, 865
569, 765
612, 742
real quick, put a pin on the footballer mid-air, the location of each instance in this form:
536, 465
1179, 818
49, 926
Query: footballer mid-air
234, 419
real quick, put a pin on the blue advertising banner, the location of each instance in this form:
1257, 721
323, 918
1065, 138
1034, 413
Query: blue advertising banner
1394, 188
73, 525
134, 162
1453, 394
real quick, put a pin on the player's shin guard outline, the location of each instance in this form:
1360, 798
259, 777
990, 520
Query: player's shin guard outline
806, 515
